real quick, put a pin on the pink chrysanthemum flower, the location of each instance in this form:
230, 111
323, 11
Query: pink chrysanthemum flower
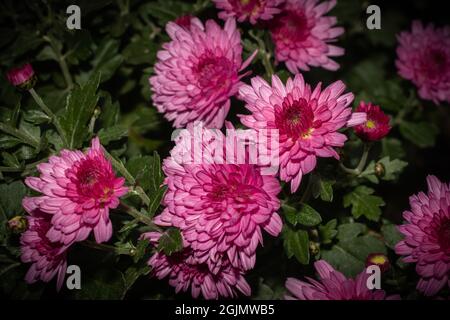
197, 72
78, 191
424, 58
333, 285
220, 208
308, 121
427, 236
252, 10
302, 35
377, 125
183, 274
48, 258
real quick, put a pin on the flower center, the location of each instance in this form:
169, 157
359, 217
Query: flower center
214, 72
435, 63
444, 235
370, 124
294, 118
292, 27
92, 181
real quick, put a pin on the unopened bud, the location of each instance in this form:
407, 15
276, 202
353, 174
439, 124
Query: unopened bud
18, 224
314, 248
22, 77
380, 170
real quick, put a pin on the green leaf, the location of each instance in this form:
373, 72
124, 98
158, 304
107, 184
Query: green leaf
392, 168
11, 196
114, 133
296, 243
140, 249
290, 213
391, 235
392, 148
363, 203
308, 216
133, 273
79, 109
328, 231
322, 188
422, 134
170, 241
348, 231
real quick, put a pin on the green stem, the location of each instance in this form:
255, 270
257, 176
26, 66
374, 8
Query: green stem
361, 165
19, 135
140, 217
104, 247
61, 61
49, 113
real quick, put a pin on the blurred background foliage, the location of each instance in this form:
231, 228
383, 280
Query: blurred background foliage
104, 69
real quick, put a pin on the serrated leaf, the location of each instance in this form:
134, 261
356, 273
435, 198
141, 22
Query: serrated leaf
391, 235
328, 231
349, 256
364, 203
296, 244
322, 188
11, 196
114, 133
392, 168
308, 216
422, 134
79, 109
170, 241
348, 231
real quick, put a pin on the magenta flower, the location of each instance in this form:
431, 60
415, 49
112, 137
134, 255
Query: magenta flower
302, 35
48, 258
184, 273
197, 72
377, 125
22, 77
307, 120
220, 209
427, 236
424, 58
252, 10
333, 285
78, 191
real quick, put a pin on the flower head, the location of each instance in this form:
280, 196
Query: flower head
307, 120
333, 285
427, 236
185, 274
302, 35
48, 258
22, 77
197, 72
252, 10
424, 58
78, 191
220, 208
377, 125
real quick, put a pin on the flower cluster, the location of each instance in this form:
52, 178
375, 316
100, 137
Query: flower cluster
78, 189
221, 210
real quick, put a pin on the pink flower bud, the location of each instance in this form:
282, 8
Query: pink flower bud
22, 77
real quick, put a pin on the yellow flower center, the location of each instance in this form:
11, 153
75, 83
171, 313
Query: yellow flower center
370, 124
378, 259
